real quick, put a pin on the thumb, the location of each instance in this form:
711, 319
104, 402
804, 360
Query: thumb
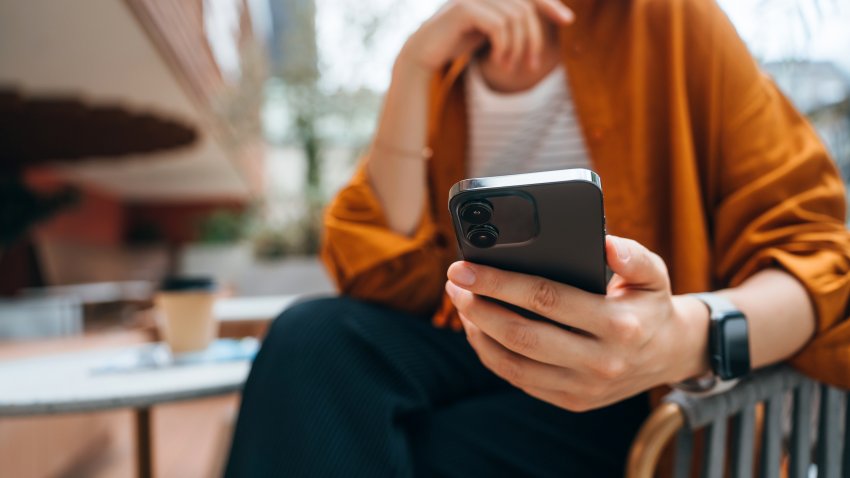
637, 266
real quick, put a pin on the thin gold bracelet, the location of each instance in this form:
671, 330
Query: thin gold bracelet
425, 154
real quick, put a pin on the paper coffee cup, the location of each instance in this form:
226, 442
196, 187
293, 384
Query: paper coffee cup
185, 313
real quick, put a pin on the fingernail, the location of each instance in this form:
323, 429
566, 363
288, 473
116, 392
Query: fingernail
462, 274
624, 253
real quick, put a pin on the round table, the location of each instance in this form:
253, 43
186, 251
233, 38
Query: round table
130, 377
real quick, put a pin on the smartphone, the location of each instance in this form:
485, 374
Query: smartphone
549, 224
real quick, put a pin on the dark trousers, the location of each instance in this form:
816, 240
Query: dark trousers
342, 388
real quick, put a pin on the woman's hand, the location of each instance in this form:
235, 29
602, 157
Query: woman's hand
514, 29
634, 338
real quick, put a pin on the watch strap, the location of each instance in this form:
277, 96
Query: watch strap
717, 304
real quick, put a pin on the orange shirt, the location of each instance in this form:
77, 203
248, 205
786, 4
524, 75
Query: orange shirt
702, 160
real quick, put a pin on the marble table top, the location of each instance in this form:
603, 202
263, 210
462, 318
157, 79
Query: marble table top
259, 308
136, 376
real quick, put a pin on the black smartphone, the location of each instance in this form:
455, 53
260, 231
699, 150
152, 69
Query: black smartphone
549, 224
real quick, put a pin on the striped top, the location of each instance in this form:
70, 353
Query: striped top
528, 131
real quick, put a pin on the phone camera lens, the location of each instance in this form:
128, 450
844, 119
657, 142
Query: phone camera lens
476, 212
483, 236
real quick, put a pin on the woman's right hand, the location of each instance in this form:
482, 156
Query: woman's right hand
514, 29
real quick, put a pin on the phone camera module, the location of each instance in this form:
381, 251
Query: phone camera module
476, 212
483, 236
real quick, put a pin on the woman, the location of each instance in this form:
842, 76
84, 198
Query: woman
704, 163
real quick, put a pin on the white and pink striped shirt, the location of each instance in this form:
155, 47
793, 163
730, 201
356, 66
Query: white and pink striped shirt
527, 131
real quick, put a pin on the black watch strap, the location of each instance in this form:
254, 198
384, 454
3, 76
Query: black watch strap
728, 337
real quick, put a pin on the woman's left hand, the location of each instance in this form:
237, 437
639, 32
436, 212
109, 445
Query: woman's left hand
635, 337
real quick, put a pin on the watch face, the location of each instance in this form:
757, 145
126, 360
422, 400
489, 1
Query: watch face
728, 337
734, 343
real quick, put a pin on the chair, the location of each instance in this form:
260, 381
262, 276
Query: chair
729, 422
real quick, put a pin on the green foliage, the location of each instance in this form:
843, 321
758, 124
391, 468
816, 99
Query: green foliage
223, 227
297, 238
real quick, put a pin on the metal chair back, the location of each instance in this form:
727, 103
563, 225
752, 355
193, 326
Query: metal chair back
813, 435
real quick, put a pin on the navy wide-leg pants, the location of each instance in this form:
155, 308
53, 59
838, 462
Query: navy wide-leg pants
343, 388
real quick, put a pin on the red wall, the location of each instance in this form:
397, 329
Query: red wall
178, 222
102, 218
99, 218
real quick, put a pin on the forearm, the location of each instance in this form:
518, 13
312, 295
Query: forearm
395, 168
779, 313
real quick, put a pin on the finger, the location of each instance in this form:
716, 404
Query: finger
517, 370
556, 11
537, 340
567, 391
638, 267
555, 397
535, 38
518, 34
558, 302
490, 21
514, 34
530, 24
520, 11
571, 397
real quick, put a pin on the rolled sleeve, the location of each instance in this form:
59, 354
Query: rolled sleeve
783, 205
370, 261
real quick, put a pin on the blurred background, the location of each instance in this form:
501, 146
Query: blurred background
146, 138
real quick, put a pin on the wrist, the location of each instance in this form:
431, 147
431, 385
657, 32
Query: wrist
693, 318
408, 68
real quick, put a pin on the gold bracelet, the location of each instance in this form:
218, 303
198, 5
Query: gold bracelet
424, 154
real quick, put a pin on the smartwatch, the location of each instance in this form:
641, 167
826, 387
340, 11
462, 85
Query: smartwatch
728, 346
